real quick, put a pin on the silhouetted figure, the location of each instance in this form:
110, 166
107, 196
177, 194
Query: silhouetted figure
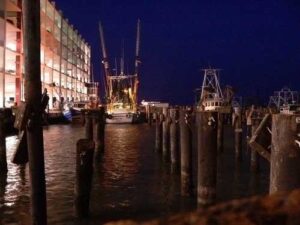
44, 102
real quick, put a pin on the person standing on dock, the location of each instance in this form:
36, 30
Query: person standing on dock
44, 103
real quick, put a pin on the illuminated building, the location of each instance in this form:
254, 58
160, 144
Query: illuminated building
65, 56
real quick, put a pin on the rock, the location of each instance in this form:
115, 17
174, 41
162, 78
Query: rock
277, 209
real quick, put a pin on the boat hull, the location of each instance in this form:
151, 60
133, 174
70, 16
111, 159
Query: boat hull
120, 118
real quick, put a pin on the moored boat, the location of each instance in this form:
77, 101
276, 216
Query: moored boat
121, 88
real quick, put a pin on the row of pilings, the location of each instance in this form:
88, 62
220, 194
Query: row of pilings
272, 136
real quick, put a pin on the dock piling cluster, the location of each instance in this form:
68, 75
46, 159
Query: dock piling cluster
209, 127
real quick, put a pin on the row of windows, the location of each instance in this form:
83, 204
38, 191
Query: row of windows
76, 74
53, 22
214, 103
48, 32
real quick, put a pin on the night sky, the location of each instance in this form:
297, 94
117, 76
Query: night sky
256, 43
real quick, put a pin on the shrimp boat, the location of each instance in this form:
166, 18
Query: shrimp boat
212, 98
121, 88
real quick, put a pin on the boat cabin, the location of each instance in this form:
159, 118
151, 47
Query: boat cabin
290, 109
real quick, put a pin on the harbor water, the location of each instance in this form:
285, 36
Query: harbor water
130, 180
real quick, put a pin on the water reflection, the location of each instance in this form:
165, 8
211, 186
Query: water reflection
130, 179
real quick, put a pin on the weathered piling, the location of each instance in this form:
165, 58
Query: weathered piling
89, 131
150, 116
254, 160
285, 156
3, 158
166, 134
31, 46
238, 132
261, 138
186, 165
147, 108
158, 132
207, 124
174, 138
220, 135
84, 174
100, 130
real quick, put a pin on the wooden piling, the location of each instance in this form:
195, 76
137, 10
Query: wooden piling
166, 135
174, 138
220, 135
100, 130
238, 132
254, 160
186, 165
32, 64
150, 116
147, 108
3, 158
89, 131
158, 132
285, 154
84, 174
207, 124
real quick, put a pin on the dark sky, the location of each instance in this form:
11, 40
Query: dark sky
256, 43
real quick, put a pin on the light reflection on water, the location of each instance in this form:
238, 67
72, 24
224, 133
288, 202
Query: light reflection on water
130, 180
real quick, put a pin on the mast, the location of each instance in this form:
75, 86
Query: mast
211, 84
122, 65
116, 67
137, 47
137, 61
105, 58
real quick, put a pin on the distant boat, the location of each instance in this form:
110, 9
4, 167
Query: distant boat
67, 113
212, 98
72, 111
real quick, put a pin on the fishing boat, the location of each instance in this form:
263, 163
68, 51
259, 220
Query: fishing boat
212, 98
121, 87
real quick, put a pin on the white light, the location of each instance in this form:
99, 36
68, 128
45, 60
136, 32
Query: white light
11, 46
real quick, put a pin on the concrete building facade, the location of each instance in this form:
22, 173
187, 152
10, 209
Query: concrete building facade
65, 56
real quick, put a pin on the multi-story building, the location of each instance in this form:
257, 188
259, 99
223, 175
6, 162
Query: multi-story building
65, 56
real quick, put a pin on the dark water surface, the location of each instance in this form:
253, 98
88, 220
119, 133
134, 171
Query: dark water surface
130, 180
